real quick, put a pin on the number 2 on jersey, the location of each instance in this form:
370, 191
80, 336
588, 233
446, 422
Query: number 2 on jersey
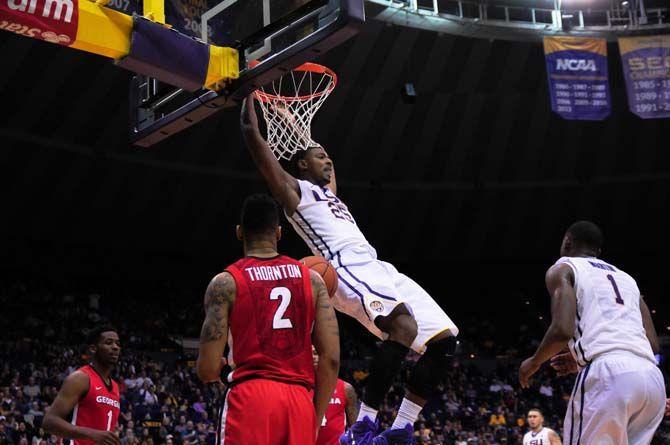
283, 294
618, 298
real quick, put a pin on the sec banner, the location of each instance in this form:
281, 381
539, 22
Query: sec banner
646, 67
578, 78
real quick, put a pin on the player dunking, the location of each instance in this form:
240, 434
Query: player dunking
597, 311
269, 308
90, 395
342, 410
388, 303
539, 434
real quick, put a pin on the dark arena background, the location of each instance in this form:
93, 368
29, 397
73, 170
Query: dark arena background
448, 154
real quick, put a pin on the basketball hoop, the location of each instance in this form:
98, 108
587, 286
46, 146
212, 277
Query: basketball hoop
289, 104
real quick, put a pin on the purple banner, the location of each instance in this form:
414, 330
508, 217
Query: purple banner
578, 79
646, 67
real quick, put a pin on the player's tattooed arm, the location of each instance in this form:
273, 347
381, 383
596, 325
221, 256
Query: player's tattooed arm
560, 282
284, 187
219, 298
326, 340
351, 409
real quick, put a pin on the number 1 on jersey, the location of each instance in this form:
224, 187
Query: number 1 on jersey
618, 298
283, 294
109, 420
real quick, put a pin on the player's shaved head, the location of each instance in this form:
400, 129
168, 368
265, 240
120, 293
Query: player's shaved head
582, 237
259, 215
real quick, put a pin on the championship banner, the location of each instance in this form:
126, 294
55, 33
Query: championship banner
578, 79
646, 67
55, 21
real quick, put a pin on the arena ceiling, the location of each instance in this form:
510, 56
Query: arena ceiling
477, 177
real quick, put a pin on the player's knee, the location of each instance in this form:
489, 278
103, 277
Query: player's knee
403, 329
431, 367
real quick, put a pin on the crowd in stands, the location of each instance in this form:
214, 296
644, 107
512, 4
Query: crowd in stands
163, 402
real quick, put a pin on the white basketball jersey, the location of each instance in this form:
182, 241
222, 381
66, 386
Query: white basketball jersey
324, 222
539, 438
608, 311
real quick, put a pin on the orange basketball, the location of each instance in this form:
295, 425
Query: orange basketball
325, 269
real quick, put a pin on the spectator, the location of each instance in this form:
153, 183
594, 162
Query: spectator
32, 389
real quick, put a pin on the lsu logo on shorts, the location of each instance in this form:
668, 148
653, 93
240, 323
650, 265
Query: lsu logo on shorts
377, 306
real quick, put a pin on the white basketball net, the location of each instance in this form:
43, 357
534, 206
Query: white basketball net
289, 104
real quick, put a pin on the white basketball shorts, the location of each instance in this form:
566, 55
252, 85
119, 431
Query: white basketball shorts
369, 288
618, 399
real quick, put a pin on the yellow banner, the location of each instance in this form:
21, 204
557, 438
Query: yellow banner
555, 44
628, 44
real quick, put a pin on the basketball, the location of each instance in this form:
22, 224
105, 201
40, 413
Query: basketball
325, 269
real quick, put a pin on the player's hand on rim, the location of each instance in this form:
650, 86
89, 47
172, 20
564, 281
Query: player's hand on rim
527, 369
248, 117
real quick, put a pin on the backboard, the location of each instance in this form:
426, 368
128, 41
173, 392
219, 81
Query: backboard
276, 35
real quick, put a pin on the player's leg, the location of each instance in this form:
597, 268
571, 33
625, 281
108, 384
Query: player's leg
620, 401
569, 420
643, 424
300, 423
599, 411
244, 416
364, 278
436, 340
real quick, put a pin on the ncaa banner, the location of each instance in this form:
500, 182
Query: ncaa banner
578, 79
646, 67
55, 21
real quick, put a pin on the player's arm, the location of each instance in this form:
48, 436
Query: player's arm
326, 340
351, 409
649, 328
560, 284
553, 438
283, 186
219, 299
55, 420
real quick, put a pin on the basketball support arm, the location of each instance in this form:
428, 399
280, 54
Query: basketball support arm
143, 44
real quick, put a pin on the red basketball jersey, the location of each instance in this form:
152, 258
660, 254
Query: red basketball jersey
271, 321
335, 421
99, 408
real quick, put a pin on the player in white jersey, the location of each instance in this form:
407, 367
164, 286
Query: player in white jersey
388, 303
598, 312
539, 434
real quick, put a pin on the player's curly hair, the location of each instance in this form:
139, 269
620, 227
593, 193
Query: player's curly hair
94, 334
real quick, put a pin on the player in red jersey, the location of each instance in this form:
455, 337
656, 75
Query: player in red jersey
342, 410
270, 309
90, 395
